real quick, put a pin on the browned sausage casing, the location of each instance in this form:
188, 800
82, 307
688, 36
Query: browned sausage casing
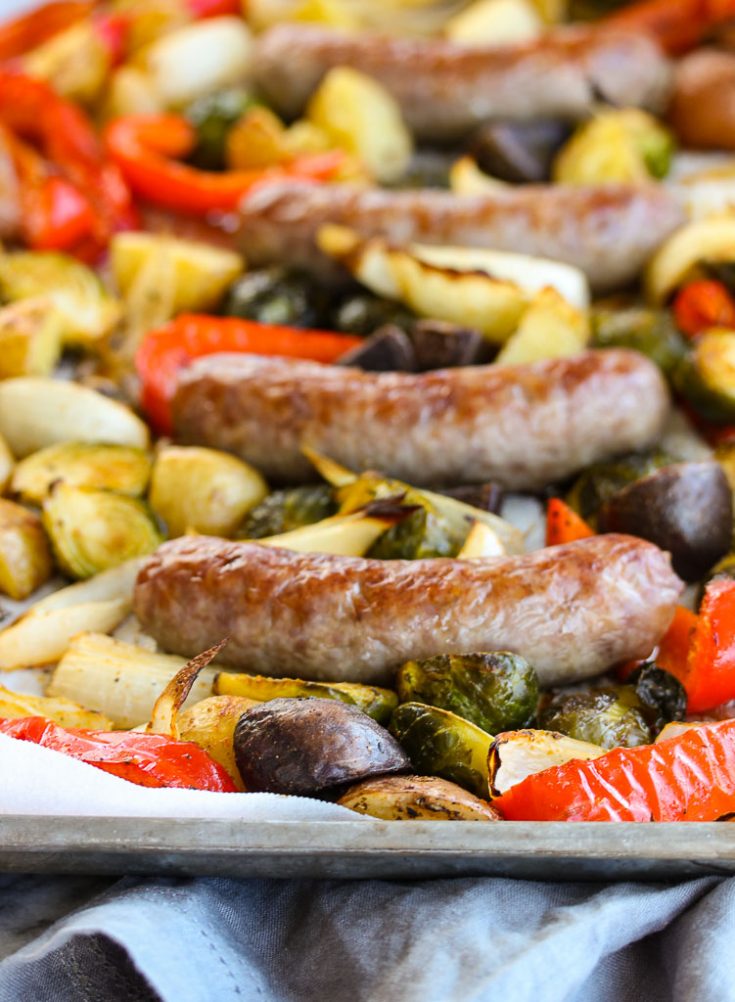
608, 231
445, 90
572, 611
522, 426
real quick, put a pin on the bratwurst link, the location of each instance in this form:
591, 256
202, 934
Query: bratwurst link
522, 426
445, 90
608, 231
572, 611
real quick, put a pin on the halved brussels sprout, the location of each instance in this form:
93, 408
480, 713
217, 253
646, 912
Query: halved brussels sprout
706, 377
92, 531
202, 490
117, 468
286, 510
602, 481
25, 558
439, 743
376, 702
498, 691
651, 332
30, 338
87, 312
420, 535
213, 116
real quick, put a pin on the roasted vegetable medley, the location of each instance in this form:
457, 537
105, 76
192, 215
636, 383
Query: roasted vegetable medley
367, 401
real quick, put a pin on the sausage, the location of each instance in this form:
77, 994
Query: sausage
445, 90
573, 611
522, 426
608, 231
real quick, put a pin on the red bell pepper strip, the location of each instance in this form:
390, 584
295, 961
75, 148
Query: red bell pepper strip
563, 525
702, 305
200, 9
33, 110
113, 31
146, 148
153, 760
700, 650
36, 27
163, 352
678, 26
687, 778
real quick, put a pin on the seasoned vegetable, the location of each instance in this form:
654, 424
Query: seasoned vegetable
686, 509
116, 468
286, 510
86, 311
36, 413
415, 798
440, 345
201, 490
30, 338
351, 535
92, 531
307, 746
602, 481
563, 525
389, 349
495, 22
14, 705
466, 178
439, 743
213, 116
498, 691
481, 541
706, 377
651, 332
679, 258
120, 680
550, 328
703, 305
376, 702
200, 273
211, 725
626, 145
518, 754
363, 118
621, 716
423, 533
485, 497
260, 139
25, 558
520, 152
7, 464
363, 312
277, 296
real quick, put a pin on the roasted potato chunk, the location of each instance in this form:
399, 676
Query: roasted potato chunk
416, 798
211, 724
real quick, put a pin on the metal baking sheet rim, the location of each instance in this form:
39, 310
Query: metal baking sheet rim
344, 849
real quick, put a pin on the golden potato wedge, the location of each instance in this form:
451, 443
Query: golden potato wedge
416, 798
211, 723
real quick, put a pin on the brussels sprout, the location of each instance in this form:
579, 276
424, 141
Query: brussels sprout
662, 697
92, 531
600, 717
439, 743
498, 691
25, 558
117, 468
602, 481
626, 145
213, 115
88, 313
277, 296
376, 702
706, 377
203, 490
364, 312
30, 338
420, 535
651, 332
286, 510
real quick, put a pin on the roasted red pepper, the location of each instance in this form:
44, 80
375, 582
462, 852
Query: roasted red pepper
200, 9
700, 650
563, 525
34, 111
165, 351
36, 27
146, 148
678, 26
687, 778
702, 305
144, 759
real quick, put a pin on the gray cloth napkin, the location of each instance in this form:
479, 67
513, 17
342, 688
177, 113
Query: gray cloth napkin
184, 940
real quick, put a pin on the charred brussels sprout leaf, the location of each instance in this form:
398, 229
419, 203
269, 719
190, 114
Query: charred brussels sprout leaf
277, 296
662, 697
213, 115
498, 691
283, 511
602, 481
439, 743
603, 717
651, 332
420, 535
